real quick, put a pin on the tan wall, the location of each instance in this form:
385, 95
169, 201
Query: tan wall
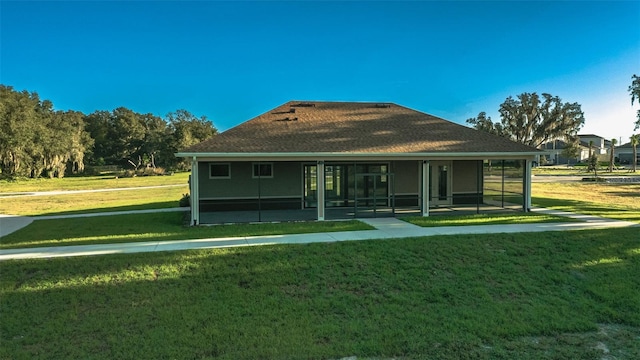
286, 182
465, 176
407, 176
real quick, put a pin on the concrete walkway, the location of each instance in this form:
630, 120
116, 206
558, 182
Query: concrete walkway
386, 228
12, 223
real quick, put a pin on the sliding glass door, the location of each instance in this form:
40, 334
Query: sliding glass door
346, 183
440, 184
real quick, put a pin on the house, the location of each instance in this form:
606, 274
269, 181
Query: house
624, 154
599, 145
553, 150
323, 160
554, 153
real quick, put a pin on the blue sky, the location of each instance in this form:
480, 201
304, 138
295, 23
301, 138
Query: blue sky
231, 61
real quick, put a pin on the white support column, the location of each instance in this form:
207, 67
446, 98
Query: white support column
320, 187
527, 186
195, 193
425, 187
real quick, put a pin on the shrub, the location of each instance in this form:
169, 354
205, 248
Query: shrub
185, 200
128, 174
152, 171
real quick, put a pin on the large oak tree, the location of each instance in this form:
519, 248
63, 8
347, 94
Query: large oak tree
534, 120
36, 140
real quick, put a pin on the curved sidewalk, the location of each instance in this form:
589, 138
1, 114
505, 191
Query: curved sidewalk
386, 228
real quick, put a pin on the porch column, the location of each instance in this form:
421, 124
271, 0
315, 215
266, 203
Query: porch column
425, 187
195, 192
320, 187
527, 186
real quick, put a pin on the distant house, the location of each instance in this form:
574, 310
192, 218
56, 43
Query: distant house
325, 160
553, 150
624, 154
600, 144
553, 153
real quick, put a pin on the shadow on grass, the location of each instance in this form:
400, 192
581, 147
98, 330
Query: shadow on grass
146, 206
442, 297
625, 194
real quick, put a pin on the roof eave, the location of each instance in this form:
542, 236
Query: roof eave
341, 155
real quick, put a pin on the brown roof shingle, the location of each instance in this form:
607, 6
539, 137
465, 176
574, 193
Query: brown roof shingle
352, 127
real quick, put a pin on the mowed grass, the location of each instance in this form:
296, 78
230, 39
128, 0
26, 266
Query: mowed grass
89, 183
616, 201
555, 295
152, 227
485, 219
138, 199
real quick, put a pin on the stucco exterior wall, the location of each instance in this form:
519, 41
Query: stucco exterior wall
286, 182
464, 182
407, 176
465, 176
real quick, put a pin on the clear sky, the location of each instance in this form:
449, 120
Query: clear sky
231, 61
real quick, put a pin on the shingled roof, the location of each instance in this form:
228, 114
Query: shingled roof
352, 128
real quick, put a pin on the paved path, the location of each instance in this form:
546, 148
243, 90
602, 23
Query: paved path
11, 223
385, 228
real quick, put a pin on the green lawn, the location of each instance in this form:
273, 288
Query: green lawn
89, 183
556, 295
616, 201
152, 227
138, 199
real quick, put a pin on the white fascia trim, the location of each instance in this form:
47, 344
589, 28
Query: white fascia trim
332, 155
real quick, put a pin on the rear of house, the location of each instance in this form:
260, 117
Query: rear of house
328, 160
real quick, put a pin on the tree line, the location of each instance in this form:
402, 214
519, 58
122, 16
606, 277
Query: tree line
36, 140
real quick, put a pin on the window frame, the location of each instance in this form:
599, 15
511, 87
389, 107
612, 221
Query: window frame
258, 164
211, 165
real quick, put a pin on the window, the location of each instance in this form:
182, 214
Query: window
262, 170
219, 171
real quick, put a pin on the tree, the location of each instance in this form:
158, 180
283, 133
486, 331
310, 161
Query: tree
571, 150
593, 164
635, 139
35, 139
612, 154
123, 136
484, 123
184, 130
98, 125
634, 89
532, 120
81, 140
